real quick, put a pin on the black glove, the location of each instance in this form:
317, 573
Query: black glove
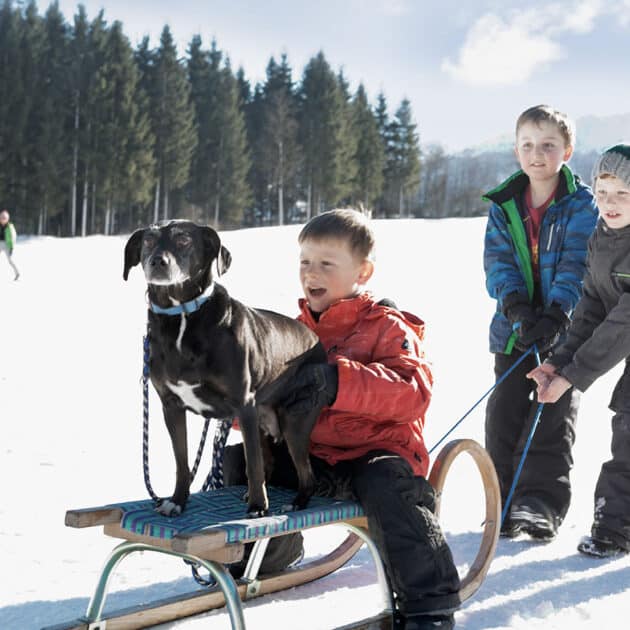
314, 385
552, 323
520, 314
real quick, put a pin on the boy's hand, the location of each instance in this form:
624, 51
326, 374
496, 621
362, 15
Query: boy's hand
546, 331
557, 386
314, 385
542, 374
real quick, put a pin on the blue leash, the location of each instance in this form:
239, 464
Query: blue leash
214, 479
503, 377
530, 437
519, 468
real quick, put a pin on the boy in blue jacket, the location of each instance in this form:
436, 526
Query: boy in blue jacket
534, 258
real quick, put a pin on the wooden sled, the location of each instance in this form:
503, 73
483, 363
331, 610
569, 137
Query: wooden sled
213, 530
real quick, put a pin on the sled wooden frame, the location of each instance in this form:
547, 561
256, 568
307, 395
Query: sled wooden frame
208, 548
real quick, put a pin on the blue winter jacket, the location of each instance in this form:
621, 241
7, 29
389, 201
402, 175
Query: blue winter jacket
564, 232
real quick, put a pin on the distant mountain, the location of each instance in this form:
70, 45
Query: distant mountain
594, 133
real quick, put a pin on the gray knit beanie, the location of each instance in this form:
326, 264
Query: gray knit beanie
614, 161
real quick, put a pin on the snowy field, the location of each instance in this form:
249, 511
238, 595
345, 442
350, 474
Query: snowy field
70, 436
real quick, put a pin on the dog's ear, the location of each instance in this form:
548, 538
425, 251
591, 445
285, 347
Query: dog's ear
132, 251
214, 249
224, 260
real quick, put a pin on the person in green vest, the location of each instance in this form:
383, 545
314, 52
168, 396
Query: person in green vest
8, 237
534, 258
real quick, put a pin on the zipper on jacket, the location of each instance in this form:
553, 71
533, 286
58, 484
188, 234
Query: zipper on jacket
553, 225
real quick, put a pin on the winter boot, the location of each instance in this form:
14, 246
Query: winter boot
600, 547
535, 518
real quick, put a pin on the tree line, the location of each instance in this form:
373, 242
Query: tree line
99, 136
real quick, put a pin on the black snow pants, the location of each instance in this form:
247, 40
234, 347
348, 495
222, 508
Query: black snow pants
399, 508
612, 492
510, 412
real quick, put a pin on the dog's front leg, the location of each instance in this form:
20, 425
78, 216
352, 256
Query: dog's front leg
257, 501
175, 418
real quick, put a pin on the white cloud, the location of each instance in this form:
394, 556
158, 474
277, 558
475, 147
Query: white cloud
622, 10
509, 50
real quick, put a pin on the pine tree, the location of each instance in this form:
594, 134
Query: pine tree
384, 131
370, 153
125, 177
348, 141
173, 117
94, 133
222, 159
278, 145
198, 67
79, 81
12, 112
405, 169
321, 134
27, 93
258, 177
51, 115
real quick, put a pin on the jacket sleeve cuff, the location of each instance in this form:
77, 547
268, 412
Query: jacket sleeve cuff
579, 380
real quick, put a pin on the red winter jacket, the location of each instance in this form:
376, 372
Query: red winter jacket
384, 382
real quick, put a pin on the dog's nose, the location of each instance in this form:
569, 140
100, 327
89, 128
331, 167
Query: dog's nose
159, 260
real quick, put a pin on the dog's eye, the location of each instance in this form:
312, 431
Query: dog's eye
181, 240
148, 241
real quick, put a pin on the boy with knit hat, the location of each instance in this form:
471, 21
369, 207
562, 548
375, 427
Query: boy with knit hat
598, 339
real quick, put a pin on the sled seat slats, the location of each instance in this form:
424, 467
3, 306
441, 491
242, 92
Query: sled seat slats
215, 519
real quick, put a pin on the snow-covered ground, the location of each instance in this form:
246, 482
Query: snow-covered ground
70, 436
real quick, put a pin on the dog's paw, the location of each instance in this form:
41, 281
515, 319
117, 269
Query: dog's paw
168, 508
257, 512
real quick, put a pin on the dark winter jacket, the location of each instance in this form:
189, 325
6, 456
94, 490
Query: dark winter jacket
564, 232
384, 382
599, 335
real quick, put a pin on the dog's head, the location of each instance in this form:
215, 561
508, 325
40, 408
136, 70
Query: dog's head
176, 252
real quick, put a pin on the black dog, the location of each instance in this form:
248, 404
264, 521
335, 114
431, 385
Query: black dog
215, 356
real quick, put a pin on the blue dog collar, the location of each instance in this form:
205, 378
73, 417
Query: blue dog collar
186, 307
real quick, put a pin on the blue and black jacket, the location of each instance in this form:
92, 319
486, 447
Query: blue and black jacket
564, 232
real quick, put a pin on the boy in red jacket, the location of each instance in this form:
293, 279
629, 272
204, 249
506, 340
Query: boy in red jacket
367, 443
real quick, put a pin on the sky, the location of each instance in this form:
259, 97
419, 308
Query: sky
468, 68
70, 437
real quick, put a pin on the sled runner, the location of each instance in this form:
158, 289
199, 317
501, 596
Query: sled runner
214, 528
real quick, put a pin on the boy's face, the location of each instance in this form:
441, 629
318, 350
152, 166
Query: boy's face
541, 150
330, 271
613, 201
4, 218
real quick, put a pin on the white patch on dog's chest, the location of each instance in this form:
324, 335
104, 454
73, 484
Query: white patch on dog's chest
182, 330
185, 392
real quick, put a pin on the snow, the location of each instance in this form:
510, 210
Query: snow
70, 436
